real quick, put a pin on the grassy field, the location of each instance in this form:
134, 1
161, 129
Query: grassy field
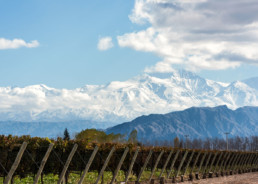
91, 177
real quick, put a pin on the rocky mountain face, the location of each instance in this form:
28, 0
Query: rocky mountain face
118, 102
197, 122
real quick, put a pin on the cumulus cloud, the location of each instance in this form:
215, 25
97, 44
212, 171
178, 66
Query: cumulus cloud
16, 43
197, 34
105, 43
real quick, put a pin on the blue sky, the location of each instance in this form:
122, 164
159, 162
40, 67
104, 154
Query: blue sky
59, 40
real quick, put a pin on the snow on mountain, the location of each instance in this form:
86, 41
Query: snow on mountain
117, 101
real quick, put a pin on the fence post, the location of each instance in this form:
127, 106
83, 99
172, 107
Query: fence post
195, 162
173, 162
234, 163
222, 162
144, 166
166, 163
242, 163
231, 162
69, 159
245, 162
225, 163
200, 166
206, 164
181, 163
250, 162
212, 162
43, 162
131, 165
254, 163
237, 163
217, 163
16, 163
93, 154
156, 164
119, 165
189, 161
105, 164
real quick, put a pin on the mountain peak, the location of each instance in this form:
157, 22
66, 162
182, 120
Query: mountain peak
176, 73
122, 101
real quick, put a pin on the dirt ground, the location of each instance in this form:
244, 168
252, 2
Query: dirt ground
247, 178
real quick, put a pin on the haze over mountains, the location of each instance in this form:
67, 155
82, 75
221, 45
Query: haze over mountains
118, 102
197, 122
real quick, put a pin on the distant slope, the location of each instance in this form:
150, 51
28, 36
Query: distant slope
48, 129
252, 82
196, 122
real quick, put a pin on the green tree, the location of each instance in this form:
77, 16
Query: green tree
66, 135
176, 142
93, 135
133, 137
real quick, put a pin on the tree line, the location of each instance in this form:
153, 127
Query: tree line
235, 143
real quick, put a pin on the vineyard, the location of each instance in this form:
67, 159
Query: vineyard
38, 157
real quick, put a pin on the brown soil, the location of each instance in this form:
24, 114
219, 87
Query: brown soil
247, 178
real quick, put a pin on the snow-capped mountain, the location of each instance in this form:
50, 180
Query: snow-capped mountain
117, 101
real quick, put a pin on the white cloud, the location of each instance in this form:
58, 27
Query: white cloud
197, 34
16, 43
105, 43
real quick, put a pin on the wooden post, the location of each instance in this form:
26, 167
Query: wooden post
217, 164
16, 163
230, 162
173, 162
162, 180
223, 160
119, 164
43, 162
242, 163
156, 164
189, 161
255, 162
243, 157
93, 154
206, 164
105, 164
212, 162
196, 159
234, 163
250, 161
225, 163
69, 159
200, 166
144, 166
166, 163
131, 165
181, 163
245, 162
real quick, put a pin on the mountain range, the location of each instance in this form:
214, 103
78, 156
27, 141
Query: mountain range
101, 106
196, 122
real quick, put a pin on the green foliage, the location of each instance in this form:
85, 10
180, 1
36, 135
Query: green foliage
133, 137
93, 135
66, 135
176, 142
